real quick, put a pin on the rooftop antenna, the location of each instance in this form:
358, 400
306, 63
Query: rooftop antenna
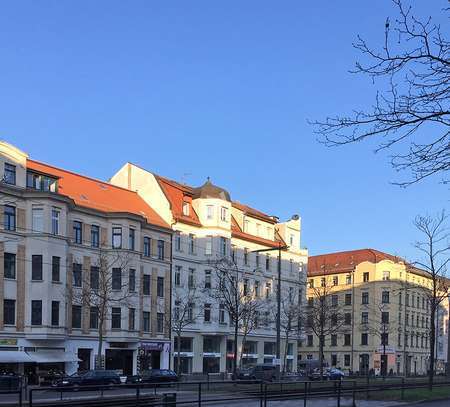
184, 176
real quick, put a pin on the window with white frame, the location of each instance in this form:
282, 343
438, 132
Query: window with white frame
223, 214
208, 245
210, 211
186, 209
55, 221
37, 219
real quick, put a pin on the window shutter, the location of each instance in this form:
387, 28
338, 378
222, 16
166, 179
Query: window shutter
154, 252
86, 235
21, 220
103, 237
167, 251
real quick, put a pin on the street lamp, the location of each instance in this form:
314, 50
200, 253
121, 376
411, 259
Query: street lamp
278, 322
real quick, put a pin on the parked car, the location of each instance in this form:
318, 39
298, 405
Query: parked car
154, 376
335, 374
88, 378
265, 372
315, 374
10, 382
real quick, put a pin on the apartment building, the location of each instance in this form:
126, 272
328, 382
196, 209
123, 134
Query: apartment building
384, 313
208, 225
57, 229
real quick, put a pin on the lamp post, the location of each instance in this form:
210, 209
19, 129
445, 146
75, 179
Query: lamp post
278, 321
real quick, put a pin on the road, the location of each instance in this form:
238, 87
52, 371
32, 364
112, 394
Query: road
438, 403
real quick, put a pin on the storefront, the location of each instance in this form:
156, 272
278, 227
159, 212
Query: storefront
153, 355
384, 361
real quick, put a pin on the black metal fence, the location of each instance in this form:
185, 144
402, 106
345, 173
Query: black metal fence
201, 394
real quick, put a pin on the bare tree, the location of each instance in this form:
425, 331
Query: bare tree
435, 249
102, 287
291, 319
412, 106
324, 318
184, 314
234, 295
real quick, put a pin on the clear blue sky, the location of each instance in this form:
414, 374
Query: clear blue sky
212, 88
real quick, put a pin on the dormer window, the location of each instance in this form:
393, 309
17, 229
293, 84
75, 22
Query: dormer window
291, 240
41, 182
209, 211
223, 214
246, 225
186, 208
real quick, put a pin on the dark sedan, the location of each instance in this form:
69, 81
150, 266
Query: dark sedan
89, 378
154, 376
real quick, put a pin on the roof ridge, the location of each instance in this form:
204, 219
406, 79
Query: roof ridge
82, 175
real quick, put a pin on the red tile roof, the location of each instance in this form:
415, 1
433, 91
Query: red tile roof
91, 193
176, 194
343, 262
237, 232
254, 213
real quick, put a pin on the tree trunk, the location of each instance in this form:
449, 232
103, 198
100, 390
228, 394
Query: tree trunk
178, 353
235, 349
99, 364
321, 343
432, 344
285, 353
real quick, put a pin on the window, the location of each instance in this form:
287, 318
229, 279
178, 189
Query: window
77, 232
268, 289
291, 240
207, 278
399, 298
385, 297
385, 317
310, 301
267, 262
407, 299
233, 253
365, 298
366, 277
9, 262
116, 280
9, 215
77, 275
56, 265
245, 286
207, 313
186, 208
364, 339
347, 339
333, 340
223, 214
36, 312
258, 229
146, 285
209, 211
311, 283
116, 237
147, 246
9, 176
386, 275
95, 236
55, 222
191, 281
131, 239
190, 311
257, 260
208, 245
95, 278
221, 314
347, 318
348, 279
245, 257
41, 182
335, 280
76, 316
310, 340
348, 299
37, 220
191, 242
9, 312
257, 290
161, 249
177, 276
223, 246
146, 321
323, 282
347, 360
93, 318
364, 317
399, 340
116, 318
385, 339
160, 322
36, 267
55, 313
132, 280
131, 319
334, 300
246, 225
160, 287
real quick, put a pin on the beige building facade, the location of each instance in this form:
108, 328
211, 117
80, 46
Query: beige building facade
384, 314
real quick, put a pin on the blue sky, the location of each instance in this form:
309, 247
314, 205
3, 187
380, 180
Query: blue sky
191, 89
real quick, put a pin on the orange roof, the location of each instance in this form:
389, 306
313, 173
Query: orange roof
254, 212
237, 232
343, 262
177, 194
91, 193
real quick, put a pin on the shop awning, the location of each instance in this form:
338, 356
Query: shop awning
11, 356
52, 357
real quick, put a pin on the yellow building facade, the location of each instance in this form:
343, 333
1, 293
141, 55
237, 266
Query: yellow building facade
384, 315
